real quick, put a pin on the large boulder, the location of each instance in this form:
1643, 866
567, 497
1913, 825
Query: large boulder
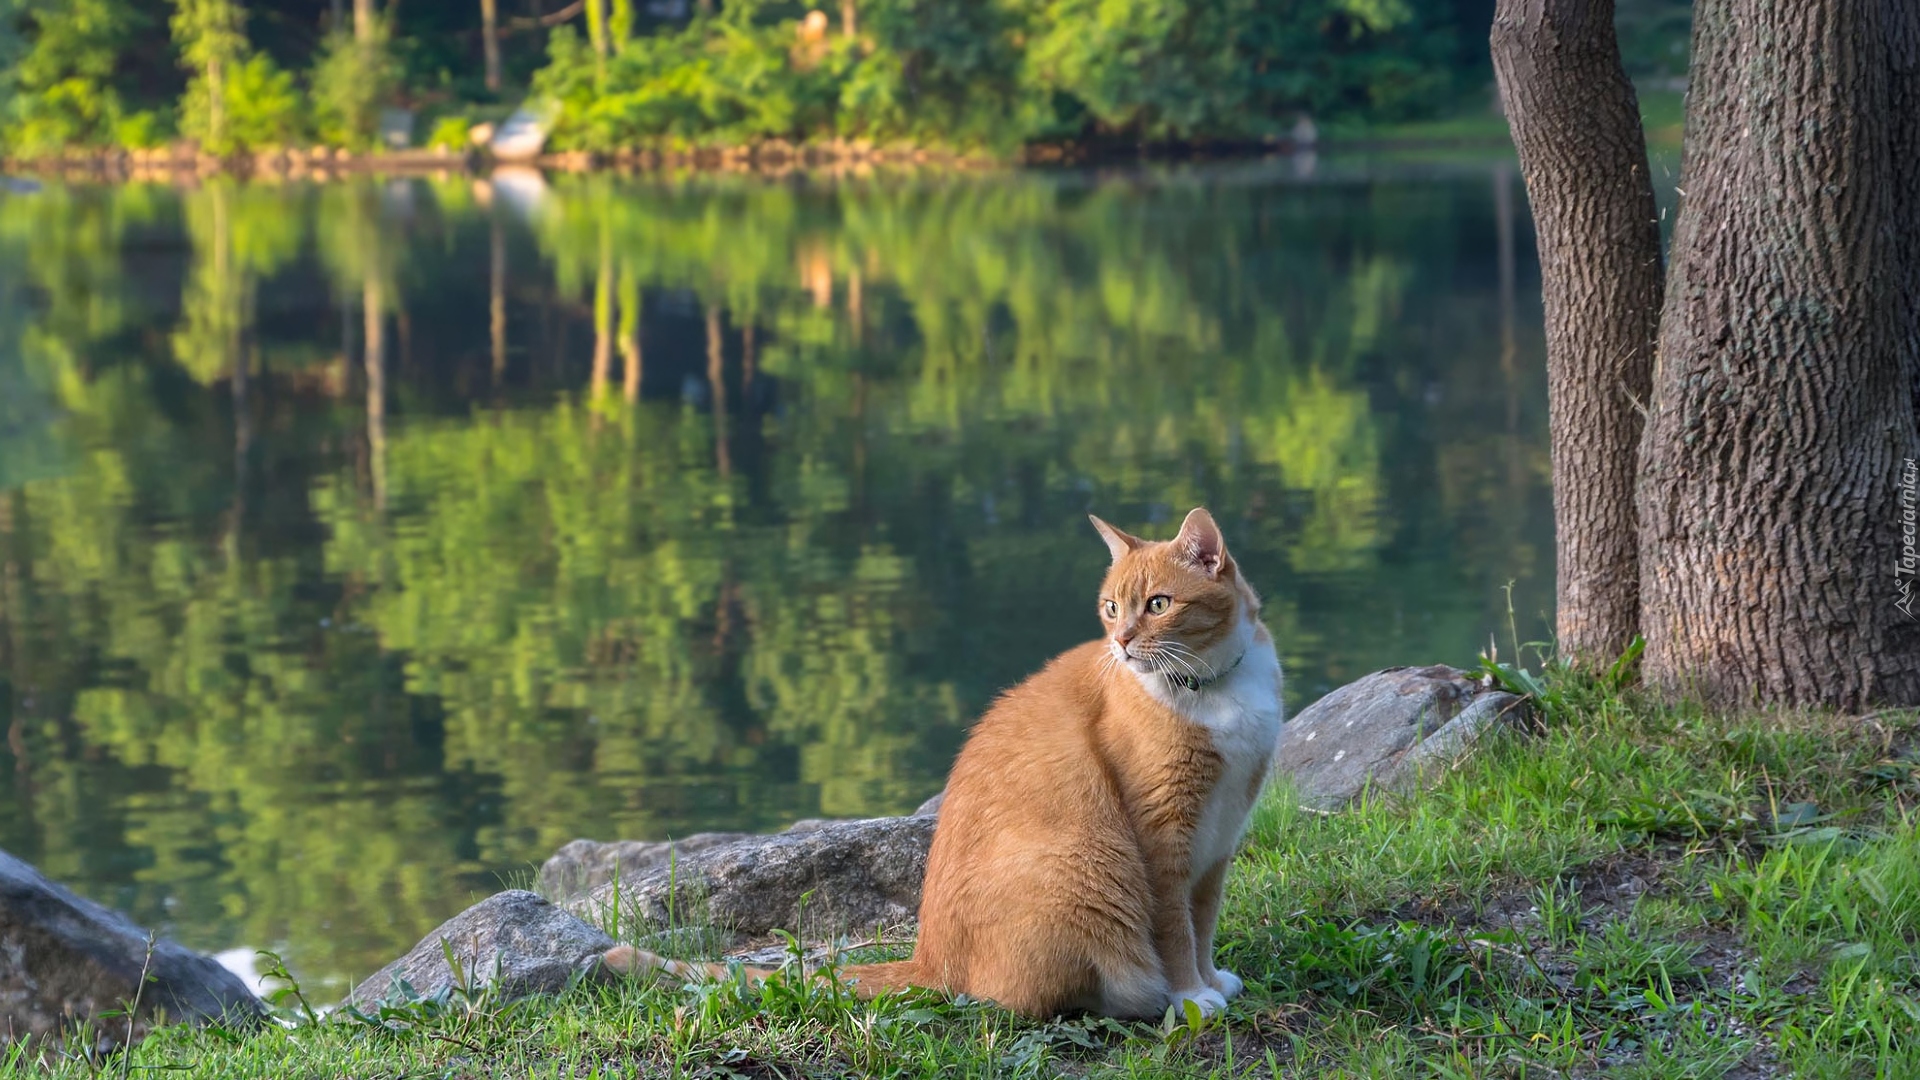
836, 876
584, 865
1386, 731
65, 959
517, 942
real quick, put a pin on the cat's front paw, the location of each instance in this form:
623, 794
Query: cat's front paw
1227, 983
1210, 1000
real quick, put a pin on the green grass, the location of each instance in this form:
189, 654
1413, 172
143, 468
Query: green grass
1661, 114
1639, 890
1477, 124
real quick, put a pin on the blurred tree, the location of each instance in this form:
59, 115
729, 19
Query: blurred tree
212, 38
59, 77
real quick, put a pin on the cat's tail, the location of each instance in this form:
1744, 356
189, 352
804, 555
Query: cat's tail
627, 960
871, 980
864, 980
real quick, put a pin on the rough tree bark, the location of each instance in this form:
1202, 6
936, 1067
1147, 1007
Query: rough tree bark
1783, 407
1576, 124
1903, 89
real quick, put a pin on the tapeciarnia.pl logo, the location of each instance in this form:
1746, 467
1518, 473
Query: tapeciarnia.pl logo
1908, 562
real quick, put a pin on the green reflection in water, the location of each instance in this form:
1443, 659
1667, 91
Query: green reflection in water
361, 544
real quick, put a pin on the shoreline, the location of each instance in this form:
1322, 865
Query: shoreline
771, 158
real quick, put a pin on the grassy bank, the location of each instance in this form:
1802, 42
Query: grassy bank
1637, 890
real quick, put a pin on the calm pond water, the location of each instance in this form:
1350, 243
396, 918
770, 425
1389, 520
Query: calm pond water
642, 507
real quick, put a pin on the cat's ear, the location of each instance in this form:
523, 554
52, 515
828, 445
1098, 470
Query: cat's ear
1200, 544
1119, 543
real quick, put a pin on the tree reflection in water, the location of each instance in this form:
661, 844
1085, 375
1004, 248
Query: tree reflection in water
308, 659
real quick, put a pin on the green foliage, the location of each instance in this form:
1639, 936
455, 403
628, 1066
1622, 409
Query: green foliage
59, 89
212, 38
211, 34
959, 74
1157, 68
261, 107
351, 80
967, 74
718, 83
450, 132
143, 130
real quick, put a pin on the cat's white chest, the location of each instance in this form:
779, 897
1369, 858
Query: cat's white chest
1243, 714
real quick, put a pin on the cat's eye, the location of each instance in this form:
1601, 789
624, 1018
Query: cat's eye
1112, 609
1158, 604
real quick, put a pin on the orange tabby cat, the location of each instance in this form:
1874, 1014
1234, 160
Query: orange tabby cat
1090, 818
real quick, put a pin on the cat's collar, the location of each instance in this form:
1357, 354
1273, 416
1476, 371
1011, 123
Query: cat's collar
1193, 682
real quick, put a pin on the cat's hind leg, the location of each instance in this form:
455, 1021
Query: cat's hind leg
1131, 986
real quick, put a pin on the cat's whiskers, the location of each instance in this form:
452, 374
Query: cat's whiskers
1189, 651
1175, 658
1162, 662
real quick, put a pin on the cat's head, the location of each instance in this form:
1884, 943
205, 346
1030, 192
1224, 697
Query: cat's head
1177, 607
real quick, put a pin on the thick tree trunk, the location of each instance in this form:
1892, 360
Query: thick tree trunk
363, 17
1783, 406
1576, 123
1903, 54
490, 40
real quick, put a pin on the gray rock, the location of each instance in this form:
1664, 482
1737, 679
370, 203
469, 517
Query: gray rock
854, 876
515, 941
584, 865
64, 959
1387, 730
